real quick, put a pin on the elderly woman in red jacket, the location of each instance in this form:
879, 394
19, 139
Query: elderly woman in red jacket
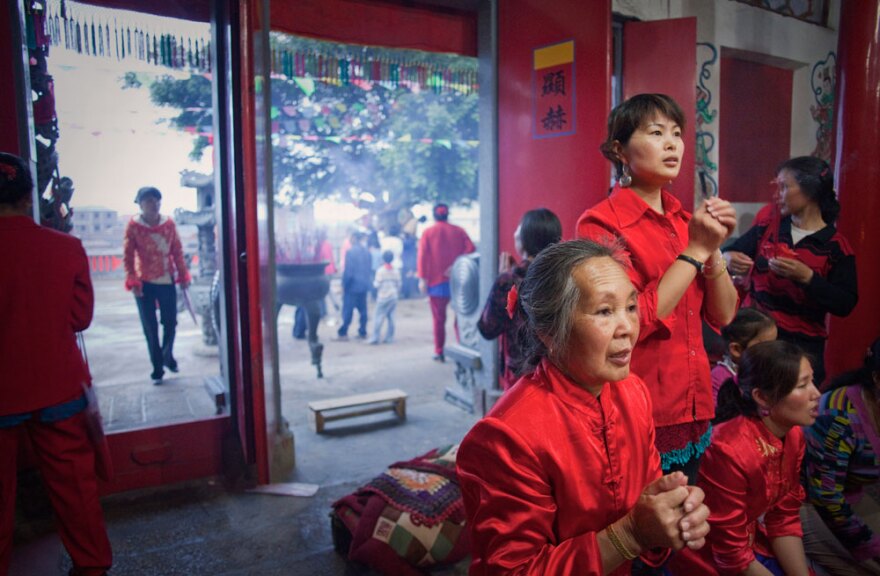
562, 475
47, 299
153, 261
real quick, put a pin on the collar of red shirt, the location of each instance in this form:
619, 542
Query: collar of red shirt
573, 395
17, 222
630, 208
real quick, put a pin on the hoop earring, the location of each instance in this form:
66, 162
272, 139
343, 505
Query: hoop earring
625, 179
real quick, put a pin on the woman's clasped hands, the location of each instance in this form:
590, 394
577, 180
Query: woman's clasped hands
668, 514
711, 224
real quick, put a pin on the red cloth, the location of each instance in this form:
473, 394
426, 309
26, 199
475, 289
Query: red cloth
325, 253
67, 463
143, 257
548, 467
751, 481
46, 298
439, 246
670, 355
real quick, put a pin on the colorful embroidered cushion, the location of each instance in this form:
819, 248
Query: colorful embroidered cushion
406, 520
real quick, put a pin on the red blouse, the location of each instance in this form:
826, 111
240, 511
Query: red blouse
551, 465
670, 356
148, 253
752, 483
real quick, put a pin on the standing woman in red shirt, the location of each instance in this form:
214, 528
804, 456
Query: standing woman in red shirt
677, 269
153, 259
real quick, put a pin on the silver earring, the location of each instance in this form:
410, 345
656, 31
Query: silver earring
625, 178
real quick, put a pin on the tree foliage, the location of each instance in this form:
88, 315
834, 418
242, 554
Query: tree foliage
340, 141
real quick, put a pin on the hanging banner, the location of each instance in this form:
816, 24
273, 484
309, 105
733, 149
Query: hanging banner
553, 91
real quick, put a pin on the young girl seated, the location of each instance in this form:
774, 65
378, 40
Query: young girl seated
750, 327
751, 471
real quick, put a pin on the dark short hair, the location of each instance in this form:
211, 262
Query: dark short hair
147, 191
746, 326
816, 180
538, 229
626, 118
441, 212
387, 256
772, 367
16, 182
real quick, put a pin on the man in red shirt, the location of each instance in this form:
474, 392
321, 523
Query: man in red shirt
47, 298
439, 246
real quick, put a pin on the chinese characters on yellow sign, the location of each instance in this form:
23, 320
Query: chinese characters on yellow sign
553, 90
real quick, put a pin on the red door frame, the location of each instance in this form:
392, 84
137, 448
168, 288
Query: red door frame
182, 451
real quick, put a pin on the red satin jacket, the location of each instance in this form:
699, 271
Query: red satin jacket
752, 483
550, 466
45, 298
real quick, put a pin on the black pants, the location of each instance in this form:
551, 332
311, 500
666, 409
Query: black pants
352, 301
165, 296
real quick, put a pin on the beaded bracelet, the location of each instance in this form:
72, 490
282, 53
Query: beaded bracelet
721, 265
618, 543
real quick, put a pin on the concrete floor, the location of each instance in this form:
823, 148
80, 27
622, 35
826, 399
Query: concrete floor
201, 527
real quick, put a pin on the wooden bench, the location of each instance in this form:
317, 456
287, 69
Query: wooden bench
358, 405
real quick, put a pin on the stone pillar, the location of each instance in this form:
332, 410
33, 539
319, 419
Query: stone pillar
858, 176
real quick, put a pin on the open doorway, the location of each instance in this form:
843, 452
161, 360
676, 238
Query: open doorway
366, 139
123, 100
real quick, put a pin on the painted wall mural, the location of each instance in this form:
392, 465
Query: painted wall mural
706, 115
823, 81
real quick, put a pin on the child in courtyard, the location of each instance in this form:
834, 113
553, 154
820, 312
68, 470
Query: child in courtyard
387, 284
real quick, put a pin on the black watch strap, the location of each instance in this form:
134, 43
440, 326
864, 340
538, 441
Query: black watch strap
693, 261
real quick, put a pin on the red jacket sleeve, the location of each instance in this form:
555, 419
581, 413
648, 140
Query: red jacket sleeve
128, 249
727, 495
83, 294
512, 529
177, 256
784, 519
424, 256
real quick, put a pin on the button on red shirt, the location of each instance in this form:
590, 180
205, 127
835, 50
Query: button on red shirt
669, 356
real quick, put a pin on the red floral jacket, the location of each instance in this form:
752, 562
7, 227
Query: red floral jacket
150, 252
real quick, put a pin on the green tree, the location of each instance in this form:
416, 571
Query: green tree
338, 141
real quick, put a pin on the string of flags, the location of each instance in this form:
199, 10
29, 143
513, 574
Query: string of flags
102, 33
122, 35
371, 68
287, 140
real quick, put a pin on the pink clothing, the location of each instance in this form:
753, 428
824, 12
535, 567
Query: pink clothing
721, 373
325, 253
150, 253
439, 246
